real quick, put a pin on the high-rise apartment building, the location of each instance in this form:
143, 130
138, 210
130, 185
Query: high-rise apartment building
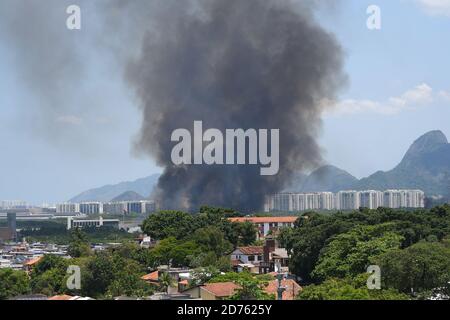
13, 204
371, 199
145, 206
91, 207
345, 200
68, 208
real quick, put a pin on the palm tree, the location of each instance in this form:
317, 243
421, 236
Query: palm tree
165, 281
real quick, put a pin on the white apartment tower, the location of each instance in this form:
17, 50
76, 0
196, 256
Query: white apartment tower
371, 199
68, 208
347, 200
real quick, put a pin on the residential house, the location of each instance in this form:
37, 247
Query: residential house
292, 288
66, 297
152, 278
267, 225
180, 278
218, 291
247, 258
261, 260
30, 264
224, 290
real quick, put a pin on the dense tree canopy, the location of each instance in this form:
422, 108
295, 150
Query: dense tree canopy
13, 283
79, 245
49, 274
330, 253
349, 254
422, 267
409, 246
347, 289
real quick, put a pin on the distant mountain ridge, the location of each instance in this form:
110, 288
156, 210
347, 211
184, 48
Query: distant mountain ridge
143, 186
425, 166
128, 196
326, 178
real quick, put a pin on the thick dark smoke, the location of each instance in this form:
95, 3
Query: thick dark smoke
261, 64
234, 64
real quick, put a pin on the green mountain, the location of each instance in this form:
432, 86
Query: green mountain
425, 166
326, 178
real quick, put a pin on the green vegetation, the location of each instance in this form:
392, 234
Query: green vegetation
79, 245
105, 274
420, 268
251, 286
347, 289
110, 274
240, 277
13, 283
202, 240
331, 252
55, 231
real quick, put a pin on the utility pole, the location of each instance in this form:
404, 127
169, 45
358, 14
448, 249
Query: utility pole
280, 277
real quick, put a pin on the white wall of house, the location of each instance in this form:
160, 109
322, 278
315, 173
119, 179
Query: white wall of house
238, 255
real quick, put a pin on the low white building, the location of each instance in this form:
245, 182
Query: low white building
248, 255
97, 223
266, 225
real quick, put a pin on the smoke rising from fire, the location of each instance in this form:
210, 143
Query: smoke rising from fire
262, 64
234, 64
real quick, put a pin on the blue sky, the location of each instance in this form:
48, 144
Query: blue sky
398, 89
411, 49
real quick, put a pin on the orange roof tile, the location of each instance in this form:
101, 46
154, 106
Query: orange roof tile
222, 289
61, 297
235, 263
33, 261
292, 288
154, 276
265, 219
251, 250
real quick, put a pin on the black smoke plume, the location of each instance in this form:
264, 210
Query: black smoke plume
234, 64
261, 64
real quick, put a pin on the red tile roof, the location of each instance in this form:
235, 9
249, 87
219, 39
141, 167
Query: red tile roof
61, 297
154, 276
235, 263
32, 261
222, 289
251, 250
292, 288
184, 282
265, 219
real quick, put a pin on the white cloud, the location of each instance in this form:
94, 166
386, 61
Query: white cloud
435, 7
445, 95
421, 95
70, 119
